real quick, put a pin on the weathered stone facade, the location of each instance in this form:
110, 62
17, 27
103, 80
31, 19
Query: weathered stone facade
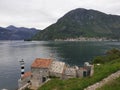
40, 71
69, 72
39, 75
80, 72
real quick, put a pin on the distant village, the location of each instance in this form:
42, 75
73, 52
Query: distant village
43, 69
88, 39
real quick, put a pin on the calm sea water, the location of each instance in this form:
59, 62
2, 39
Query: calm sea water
73, 53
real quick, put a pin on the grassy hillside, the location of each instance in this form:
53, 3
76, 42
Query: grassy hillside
108, 67
113, 85
82, 23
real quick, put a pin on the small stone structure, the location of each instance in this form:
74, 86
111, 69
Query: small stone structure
24, 80
69, 72
42, 69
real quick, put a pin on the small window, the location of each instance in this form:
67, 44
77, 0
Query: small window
84, 73
43, 79
28, 81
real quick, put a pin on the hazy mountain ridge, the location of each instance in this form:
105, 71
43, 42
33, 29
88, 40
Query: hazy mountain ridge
17, 33
82, 23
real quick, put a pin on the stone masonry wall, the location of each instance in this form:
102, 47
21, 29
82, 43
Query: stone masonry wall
37, 76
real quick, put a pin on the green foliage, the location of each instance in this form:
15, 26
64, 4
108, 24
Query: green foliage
111, 55
113, 51
98, 59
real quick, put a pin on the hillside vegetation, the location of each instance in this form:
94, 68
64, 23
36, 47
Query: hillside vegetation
113, 85
82, 23
110, 65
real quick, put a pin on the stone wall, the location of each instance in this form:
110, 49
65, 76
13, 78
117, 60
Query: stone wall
104, 81
80, 73
92, 70
38, 74
56, 74
22, 82
69, 72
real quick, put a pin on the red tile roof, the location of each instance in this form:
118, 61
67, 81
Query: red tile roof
26, 74
41, 63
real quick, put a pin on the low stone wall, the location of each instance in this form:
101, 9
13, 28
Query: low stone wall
23, 82
35, 88
23, 87
104, 81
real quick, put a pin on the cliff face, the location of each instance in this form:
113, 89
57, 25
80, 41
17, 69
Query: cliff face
82, 23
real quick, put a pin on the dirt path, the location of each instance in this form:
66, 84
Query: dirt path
104, 81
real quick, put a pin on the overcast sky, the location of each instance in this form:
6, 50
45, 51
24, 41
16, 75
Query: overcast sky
42, 13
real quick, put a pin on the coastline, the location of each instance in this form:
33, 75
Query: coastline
87, 39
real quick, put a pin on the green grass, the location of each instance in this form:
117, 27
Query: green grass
113, 85
101, 72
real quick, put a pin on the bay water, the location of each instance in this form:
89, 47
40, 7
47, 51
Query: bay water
73, 53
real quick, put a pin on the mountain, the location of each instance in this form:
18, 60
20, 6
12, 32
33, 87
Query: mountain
17, 33
4, 33
82, 23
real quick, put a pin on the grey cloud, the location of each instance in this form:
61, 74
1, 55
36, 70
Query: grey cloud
41, 13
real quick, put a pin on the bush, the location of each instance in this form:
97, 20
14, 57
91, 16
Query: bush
113, 51
110, 55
